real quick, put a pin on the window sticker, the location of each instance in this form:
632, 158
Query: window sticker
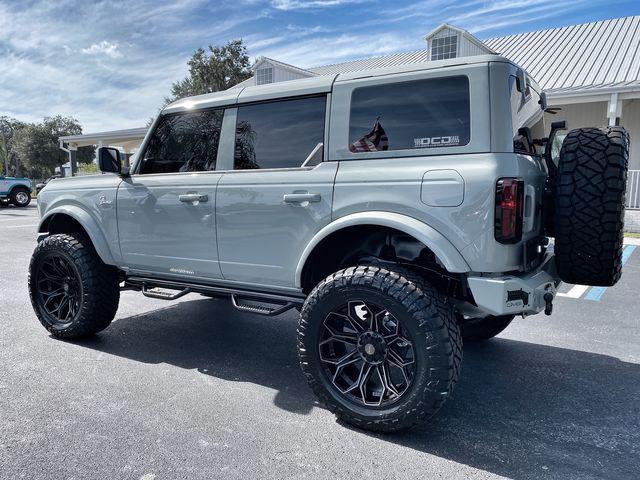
432, 142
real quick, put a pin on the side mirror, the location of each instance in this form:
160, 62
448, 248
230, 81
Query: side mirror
109, 160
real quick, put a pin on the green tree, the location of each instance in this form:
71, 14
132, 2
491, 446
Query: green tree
219, 68
36, 145
88, 169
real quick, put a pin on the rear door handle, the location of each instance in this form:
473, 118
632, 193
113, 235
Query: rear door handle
301, 197
193, 197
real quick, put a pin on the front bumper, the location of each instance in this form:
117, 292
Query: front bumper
515, 295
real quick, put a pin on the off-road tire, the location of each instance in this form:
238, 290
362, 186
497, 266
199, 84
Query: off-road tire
100, 292
589, 210
422, 310
20, 197
481, 329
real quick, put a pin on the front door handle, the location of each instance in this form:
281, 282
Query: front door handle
193, 197
301, 197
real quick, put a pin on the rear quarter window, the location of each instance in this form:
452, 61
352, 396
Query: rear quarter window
419, 114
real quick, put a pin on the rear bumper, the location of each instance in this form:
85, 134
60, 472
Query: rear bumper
515, 295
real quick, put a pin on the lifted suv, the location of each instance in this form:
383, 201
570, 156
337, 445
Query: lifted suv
401, 210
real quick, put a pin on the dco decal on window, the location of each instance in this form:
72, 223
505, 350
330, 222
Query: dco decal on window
431, 142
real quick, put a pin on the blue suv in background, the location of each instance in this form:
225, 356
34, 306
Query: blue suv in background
15, 190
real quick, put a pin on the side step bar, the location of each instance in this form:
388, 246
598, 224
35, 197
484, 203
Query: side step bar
260, 310
277, 303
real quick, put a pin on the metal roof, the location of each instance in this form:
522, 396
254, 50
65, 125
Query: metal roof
603, 53
403, 58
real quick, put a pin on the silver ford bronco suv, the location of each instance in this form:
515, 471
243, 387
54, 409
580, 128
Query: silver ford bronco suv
402, 211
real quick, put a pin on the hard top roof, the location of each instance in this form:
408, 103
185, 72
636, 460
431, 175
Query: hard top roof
312, 85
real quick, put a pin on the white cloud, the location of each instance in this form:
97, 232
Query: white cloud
112, 75
110, 49
309, 4
339, 48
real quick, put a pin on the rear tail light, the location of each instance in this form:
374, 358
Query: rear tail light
509, 206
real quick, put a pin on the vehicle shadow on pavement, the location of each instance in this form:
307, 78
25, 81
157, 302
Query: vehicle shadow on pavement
525, 410
211, 336
520, 409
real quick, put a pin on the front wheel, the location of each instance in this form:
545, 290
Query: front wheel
381, 351
73, 293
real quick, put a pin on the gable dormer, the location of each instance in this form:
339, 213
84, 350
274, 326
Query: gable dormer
267, 70
447, 41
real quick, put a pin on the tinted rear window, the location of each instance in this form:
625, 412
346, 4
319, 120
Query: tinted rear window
408, 115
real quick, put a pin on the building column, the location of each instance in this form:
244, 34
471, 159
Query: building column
127, 157
614, 110
73, 159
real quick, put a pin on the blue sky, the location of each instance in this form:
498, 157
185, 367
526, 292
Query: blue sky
110, 63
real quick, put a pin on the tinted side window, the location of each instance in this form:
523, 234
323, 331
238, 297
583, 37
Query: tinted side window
278, 134
185, 142
418, 114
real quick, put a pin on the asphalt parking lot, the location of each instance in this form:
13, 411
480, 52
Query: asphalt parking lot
195, 389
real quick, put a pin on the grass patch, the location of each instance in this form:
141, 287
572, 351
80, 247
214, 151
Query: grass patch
631, 235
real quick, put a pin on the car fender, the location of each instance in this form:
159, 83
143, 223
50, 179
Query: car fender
88, 223
19, 183
446, 253
23, 183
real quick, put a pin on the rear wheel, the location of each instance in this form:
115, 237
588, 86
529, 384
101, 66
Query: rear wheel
381, 351
20, 197
73, 293
589, 210
481, 329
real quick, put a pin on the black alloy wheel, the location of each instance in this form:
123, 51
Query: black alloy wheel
380, 349
367, 354
59, 289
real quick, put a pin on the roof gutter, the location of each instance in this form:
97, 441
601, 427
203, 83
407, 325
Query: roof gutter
593, 91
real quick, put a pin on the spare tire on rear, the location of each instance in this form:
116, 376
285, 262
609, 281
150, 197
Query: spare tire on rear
589, 210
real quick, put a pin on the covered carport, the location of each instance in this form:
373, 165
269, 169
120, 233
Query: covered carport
128, 141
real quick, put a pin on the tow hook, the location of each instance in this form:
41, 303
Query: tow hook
548, 303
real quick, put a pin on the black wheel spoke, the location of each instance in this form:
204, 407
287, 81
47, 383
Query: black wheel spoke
58, 288
386, 381
366, 353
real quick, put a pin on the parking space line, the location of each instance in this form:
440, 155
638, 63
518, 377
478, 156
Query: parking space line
575, 292
14, 218
21, 226
596, 293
